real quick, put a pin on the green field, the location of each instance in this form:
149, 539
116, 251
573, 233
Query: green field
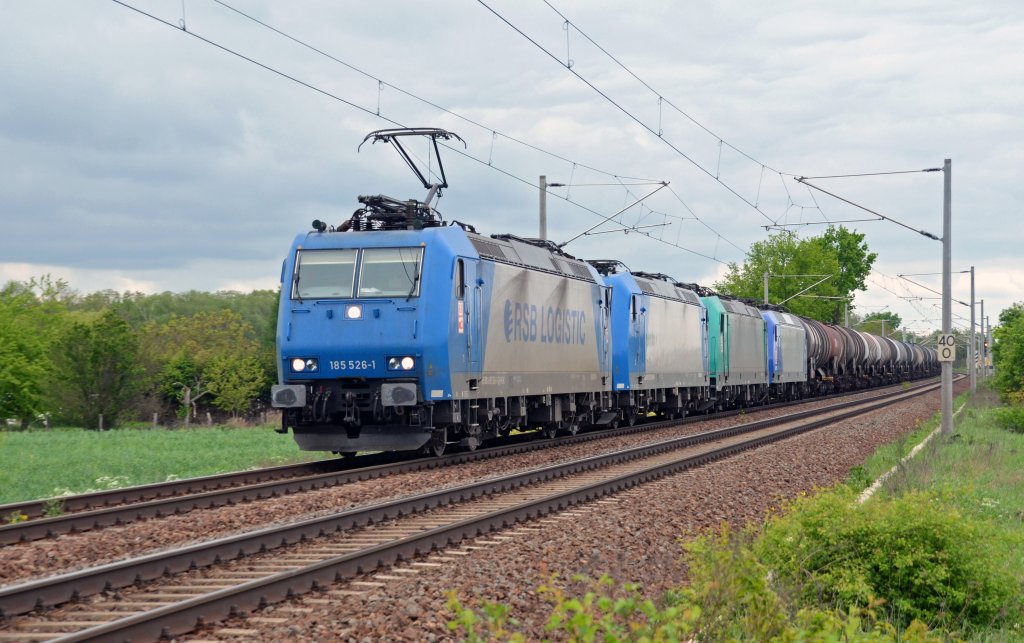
40, 464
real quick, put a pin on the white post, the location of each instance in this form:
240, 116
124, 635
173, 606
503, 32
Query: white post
947, 318
766, 288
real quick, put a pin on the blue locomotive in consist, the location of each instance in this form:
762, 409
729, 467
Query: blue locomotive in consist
399, 332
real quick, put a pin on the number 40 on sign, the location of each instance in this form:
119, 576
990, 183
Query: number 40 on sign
947, 348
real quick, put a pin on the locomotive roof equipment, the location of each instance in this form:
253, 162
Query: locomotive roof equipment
385, 213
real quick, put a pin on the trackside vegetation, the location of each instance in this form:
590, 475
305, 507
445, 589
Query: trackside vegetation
40, 463
105, 359
936, 555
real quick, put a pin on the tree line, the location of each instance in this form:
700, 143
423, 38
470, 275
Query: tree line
112, 357
1008, 354
109, 357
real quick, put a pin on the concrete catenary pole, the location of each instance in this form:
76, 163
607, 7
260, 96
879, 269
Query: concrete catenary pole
973, 352
766, 288
984, 351
543, 207
988, 336
947, 317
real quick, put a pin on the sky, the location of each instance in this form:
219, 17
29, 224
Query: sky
148, 156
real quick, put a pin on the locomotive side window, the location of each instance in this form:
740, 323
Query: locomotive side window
460, 279
390, 272
323, 273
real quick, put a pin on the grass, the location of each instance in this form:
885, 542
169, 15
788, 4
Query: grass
40, 464
978, 471
889, 455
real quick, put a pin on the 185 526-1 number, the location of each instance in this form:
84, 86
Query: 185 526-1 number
353, 364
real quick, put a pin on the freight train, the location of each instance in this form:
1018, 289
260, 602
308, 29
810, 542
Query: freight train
398, 331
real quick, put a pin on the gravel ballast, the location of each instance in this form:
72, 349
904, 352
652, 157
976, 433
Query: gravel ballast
70, 552
633, 536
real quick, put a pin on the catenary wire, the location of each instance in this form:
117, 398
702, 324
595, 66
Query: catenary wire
660, 96
387, 119
639, 181
629, 114
416, 97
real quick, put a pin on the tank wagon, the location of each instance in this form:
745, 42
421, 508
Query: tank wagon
398, 331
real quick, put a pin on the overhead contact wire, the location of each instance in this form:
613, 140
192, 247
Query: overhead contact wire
389, 120
416, 97
627, 112
661, 97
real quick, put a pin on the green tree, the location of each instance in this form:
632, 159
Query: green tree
236, 381
851, 253
31, 315
838, 252
96, 371
184, 350
881, 323
1008, 353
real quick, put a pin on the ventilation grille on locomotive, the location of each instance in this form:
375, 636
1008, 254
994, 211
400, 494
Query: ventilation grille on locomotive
580, 271
688, 296
486, 248
645, 286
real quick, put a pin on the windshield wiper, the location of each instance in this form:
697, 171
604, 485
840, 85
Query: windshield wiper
295, 277
415, 280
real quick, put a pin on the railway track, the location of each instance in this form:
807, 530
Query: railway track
215, 579
101, 509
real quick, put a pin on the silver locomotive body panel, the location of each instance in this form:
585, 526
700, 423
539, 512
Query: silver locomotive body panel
790, 349
545, 333
675, 353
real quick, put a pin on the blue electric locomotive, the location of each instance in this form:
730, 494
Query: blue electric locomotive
397, 332
659, 345
786, 344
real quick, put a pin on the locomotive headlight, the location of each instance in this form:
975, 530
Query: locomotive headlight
354, 311
401, 363
304, 364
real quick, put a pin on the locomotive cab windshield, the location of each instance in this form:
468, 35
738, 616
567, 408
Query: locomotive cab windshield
380, 272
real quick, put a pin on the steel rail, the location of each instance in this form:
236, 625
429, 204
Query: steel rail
184, 616
122, 506
55, 590
32, 509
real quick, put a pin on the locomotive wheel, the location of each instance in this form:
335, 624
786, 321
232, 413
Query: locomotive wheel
347, 454
573, 428
550, 430
437, 443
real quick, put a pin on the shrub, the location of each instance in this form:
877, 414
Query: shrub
919, 555
827, 569
1010, 418
731, 597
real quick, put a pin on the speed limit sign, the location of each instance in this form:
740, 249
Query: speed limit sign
947, 348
